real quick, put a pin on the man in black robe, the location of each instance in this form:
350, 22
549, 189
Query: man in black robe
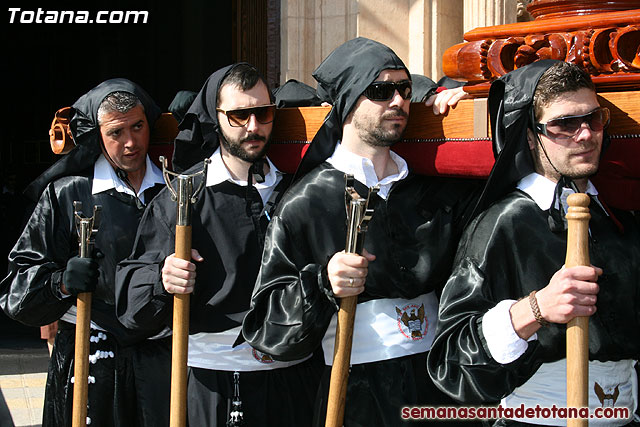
109, 166
409, 245
501, 336
230, 122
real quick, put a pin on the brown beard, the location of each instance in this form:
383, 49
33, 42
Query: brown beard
374, 135
236, 150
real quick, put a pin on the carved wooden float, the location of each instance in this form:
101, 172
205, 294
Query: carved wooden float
602, 36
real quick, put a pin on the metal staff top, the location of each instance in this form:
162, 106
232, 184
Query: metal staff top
359, 213
87, 227
184, 195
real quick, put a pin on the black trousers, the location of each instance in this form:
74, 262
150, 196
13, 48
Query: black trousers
128, 386
377, 392
279, 397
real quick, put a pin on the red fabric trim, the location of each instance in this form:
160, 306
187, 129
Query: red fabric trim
618, 180
469, 159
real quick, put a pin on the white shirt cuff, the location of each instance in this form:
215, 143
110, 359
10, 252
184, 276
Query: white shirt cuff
504, 343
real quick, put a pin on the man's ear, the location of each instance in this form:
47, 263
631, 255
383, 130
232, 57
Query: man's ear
531, 139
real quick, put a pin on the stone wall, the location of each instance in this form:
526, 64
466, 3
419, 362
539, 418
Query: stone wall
419, 31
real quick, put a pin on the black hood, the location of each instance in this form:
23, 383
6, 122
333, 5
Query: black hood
198, 138
86, 132
422, 87
181, 103
511, 113
342, 77
296, 94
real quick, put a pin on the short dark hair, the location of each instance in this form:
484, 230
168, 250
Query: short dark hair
119, 101
244, 76
560, 78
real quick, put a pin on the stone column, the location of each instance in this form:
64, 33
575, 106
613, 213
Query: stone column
486, 13
447, 17
311, 29
419, 31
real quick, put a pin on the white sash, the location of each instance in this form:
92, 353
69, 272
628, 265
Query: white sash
617, 386
388, 328
215, 351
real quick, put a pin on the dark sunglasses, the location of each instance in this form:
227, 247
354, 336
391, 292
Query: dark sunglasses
383, 91
240, 117
564, 128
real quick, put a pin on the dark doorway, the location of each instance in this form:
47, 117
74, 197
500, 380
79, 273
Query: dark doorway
256, 36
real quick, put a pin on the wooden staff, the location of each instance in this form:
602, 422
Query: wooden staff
185, 197
578, 328
359, 214
87, 229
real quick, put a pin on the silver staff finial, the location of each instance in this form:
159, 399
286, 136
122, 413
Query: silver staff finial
184, 195
359, 213
87, 228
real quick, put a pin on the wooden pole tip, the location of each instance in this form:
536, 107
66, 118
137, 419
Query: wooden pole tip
578, 200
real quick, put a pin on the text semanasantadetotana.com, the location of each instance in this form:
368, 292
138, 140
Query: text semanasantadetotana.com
521, 412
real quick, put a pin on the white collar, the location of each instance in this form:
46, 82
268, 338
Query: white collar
363, 170
542, 189
105, 178
217, 172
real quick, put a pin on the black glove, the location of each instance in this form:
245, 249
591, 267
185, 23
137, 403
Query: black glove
81, 275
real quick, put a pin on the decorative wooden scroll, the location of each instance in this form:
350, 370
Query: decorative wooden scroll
607, 44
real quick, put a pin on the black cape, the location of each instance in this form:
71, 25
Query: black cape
228, 226
507, 252
413, 235
292, 304
30, 292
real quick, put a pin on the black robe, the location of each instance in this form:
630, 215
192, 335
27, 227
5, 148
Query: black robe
228, 227
31, 294
507, 252
413, 235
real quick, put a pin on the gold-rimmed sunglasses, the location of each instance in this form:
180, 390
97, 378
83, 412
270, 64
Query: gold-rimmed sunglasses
240, 116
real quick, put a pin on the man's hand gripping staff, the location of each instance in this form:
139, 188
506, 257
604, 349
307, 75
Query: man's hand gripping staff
80, 278
185, 197
359, 213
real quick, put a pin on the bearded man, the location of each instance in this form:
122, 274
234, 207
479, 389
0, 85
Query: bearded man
408, 250
230, 122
